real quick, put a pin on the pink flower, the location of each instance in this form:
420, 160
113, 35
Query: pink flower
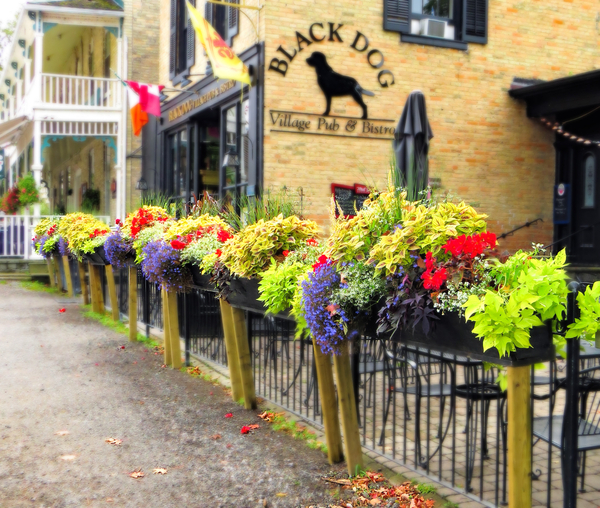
245, 430
229, 415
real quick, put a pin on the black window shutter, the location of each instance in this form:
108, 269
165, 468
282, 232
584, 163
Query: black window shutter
191, 42
475, 21
208, 16
208, 10
173, 43
396, 15
232, 21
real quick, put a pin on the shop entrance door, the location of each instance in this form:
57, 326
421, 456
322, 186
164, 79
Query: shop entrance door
585, 246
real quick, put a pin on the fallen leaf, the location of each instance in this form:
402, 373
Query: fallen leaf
339, 482
375, 501
96, 365
109, 499
122, 347
68, 457
113, 441
216, 436
253, 426
137, 473
281, 494
142, 402
229, 415
210, 393
62, 310
229, 445
245, 430
61, 433
160, 470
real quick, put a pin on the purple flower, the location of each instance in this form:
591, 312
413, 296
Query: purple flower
326, 321
117, 250
63, 247
162, 265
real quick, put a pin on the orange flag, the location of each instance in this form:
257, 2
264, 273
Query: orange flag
225, 63
139, 118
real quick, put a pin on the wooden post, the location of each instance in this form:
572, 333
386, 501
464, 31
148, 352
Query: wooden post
237, 392
519, 437
345, 390
57, 271
83, 283
67, 269
96, 288
174, 330
331, 421
112, 292
51, 272
166, 327
243, 349
133, 303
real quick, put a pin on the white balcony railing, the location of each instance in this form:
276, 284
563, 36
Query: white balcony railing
80, 91
17, 231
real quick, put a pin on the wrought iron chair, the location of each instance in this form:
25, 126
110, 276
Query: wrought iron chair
551, 428
422, 374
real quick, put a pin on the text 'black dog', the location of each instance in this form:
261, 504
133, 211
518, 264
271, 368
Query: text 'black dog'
336, 85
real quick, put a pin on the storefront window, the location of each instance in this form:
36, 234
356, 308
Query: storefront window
589, 190
234, 167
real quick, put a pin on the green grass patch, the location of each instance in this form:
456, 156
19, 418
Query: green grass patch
117, 326
36, 285
2, 282
297, 431
425, 488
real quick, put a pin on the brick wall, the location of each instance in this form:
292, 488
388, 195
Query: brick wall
485, 149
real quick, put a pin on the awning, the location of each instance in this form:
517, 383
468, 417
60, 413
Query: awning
558, 96
12, 128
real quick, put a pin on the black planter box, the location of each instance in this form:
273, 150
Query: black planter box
199, 280
97, 257
455, 336
245, 295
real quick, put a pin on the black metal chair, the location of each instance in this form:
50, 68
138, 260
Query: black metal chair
551, 428
419, 373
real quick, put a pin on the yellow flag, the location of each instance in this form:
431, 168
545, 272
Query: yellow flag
225, 63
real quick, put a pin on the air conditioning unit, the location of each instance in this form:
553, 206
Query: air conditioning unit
435, 28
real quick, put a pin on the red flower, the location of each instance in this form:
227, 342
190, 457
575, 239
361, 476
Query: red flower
229, 415
286, 253
223, 236
218, 253
312, 241
117, 221
62, 310
245, 430
434, 281
429, 261
178, 244
323, 260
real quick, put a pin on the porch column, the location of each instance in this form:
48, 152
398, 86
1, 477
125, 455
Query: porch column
37, 66
37, 165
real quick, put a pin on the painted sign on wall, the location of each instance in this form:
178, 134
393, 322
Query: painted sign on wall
333, 84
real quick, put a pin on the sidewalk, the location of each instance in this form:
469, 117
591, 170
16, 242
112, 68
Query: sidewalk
67, 386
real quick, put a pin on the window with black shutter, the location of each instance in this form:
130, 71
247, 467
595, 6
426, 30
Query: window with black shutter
182, 41
232, 21
442, 23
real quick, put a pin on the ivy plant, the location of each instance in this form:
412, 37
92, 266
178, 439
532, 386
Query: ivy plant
587, 324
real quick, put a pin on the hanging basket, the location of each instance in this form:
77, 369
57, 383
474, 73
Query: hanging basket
454, 335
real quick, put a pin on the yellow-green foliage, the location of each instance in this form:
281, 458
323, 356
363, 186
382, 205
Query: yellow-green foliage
187, 225
76, 229
249, 252
44, 225
156, 212
353, 238
424, 229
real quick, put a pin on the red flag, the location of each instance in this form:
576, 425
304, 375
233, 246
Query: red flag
139, 118
149, 96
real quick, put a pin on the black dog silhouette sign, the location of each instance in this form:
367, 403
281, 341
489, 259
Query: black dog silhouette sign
333, 84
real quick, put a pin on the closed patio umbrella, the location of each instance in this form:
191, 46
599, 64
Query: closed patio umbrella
411, 146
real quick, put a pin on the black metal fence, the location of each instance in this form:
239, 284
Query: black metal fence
443, 416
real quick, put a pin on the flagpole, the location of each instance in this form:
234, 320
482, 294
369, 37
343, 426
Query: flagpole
124, 83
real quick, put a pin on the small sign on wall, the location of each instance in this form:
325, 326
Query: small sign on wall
349, 198
562, 203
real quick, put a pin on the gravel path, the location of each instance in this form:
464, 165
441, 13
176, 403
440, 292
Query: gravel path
62, 372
